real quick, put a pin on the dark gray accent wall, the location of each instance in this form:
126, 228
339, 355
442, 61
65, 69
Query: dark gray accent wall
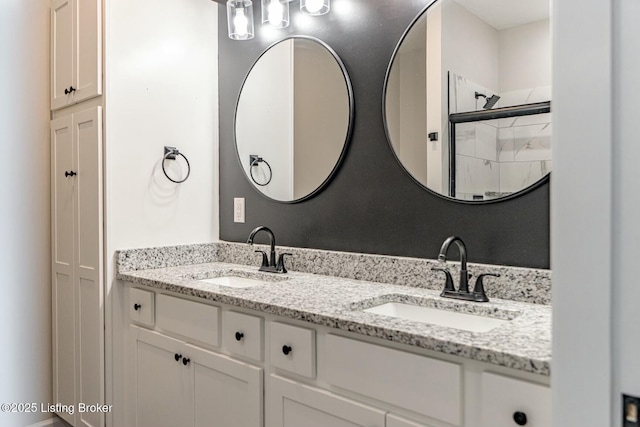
372, 205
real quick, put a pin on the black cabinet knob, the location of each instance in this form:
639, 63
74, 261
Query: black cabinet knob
239, 336
66, 91
520, 418
177, 357
136, 307
286, 349
69, 173
70, 90
186, 361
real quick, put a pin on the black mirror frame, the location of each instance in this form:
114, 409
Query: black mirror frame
542, 181
340, 159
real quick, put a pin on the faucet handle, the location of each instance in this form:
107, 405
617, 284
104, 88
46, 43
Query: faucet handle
478, 289
265, 259
280, 267
448, 284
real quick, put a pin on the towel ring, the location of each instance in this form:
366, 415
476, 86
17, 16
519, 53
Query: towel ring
170, 153
254, 162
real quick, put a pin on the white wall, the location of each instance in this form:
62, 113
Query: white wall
410, 145
437, 105
581, 220
469, 46
406, 103
595, 239
626, 202
265, 121
25, 284
320, 126
161, 89
525, 56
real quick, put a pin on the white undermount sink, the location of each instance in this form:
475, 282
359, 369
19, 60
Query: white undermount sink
235, 282
435, 316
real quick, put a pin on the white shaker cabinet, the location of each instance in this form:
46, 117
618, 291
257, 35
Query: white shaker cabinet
508, 402
77, 264
176, 384
162, 390
309, 376
76, 51
396, 421
295, 405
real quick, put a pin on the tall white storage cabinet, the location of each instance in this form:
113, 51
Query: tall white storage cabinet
77, 263
76, 51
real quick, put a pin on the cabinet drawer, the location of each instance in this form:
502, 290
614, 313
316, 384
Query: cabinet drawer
192, 320
141, 306
426, 386
293, 349
396, 421
242, 334
503, 397
294, 404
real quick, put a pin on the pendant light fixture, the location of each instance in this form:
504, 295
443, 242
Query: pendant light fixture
315, 7
240, 19
275, 13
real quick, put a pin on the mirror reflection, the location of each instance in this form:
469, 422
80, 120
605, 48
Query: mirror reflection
468, 96
293, 119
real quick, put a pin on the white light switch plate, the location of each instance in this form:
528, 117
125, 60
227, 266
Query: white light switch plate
238, 210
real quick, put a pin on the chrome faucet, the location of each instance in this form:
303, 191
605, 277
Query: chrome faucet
463, 293
269, 264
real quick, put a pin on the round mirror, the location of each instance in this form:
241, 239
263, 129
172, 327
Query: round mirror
467, 98
293, 119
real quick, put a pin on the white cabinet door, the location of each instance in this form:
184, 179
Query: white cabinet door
293, 404
76, 240
227, 393
508, 402
87, 130
174, 384
61, 52
62, 248
87, 58
76, 51
161, 380
421, 384
396, 421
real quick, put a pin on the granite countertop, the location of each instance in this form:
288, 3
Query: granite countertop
524, 343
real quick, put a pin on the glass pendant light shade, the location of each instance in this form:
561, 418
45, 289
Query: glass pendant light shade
275, 13
240, 19
315, 7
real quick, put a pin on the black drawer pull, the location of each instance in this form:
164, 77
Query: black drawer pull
520, 418
239, 336
186, 361
137, 307
286, 349
177, 357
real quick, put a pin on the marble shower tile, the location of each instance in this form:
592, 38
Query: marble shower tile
532, 142
516, 176
486, 139
466, 139
506, 147
536, 119
476, 176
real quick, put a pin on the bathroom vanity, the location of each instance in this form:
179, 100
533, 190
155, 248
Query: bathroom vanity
303, 349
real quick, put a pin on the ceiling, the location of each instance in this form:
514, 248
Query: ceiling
503, 14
